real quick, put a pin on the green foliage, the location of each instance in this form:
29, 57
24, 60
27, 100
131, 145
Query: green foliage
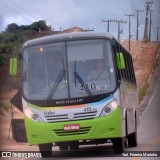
12, 39
142, 92
12, 27
6, 48
9, 37
23, 28
40, 25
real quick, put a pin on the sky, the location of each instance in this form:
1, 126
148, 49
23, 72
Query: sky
87, 14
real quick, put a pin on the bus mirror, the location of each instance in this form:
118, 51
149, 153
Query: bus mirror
120, 60
13, 67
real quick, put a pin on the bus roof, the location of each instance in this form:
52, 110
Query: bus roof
67, 36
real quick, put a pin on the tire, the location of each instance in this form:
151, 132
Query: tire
63, 147
118, 145
74, 146
45, 149
132, 138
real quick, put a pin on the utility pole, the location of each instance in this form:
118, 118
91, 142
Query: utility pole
138, 22
150, 23
148, 6
129, 15
157, 34
108, 21
119, 31
88, 29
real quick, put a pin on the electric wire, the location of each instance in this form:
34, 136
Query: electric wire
15, 11
24, 10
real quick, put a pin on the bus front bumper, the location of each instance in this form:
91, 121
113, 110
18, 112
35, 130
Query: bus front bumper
97, 128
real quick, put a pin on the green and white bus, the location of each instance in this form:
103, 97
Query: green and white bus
64, 106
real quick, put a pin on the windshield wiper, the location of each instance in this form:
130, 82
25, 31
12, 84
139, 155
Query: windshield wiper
77, 76
57, 82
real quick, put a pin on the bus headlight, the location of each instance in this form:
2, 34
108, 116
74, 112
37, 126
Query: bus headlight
32, 115
36, 117
109, 108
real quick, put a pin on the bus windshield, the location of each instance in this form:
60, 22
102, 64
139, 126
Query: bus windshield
68, 70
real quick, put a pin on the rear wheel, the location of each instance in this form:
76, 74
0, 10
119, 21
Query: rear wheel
132, 138
118, 145
45, 149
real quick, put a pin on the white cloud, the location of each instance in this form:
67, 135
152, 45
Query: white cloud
81, 13
58, 13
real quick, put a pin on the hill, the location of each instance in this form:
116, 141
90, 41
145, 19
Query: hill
143, 54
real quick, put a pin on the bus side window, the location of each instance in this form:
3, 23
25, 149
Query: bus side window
127, 73
130, 69
123, 75
115, 49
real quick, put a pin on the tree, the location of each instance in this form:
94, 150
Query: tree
23, 27
40, 25
12, 27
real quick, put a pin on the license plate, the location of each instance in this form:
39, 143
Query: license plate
71, 127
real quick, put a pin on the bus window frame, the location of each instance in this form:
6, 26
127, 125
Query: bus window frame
128, 73
85, 100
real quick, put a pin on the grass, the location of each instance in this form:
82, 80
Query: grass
142, 92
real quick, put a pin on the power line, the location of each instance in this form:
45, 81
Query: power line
119, 31
24, 10
13, 20
89, 29
108, 21
150, 24
129, 15
138, 22
16, 11
148, 6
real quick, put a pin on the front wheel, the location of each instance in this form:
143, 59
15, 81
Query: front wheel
118, 145
45, 149
63, 146
74, 145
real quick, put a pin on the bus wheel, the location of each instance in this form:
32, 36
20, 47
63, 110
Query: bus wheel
45, 149
132, 138
63, 146
118, 145
74, 146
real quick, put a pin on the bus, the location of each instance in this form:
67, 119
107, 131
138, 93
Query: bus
66, 102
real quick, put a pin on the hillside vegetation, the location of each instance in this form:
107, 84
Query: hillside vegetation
14, 36
12, 39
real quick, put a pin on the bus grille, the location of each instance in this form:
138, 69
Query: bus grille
75, 116
83, 130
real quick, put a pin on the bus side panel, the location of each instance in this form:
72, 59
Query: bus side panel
129, 102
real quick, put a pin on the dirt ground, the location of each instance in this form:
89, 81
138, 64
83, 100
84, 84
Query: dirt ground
144, 61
